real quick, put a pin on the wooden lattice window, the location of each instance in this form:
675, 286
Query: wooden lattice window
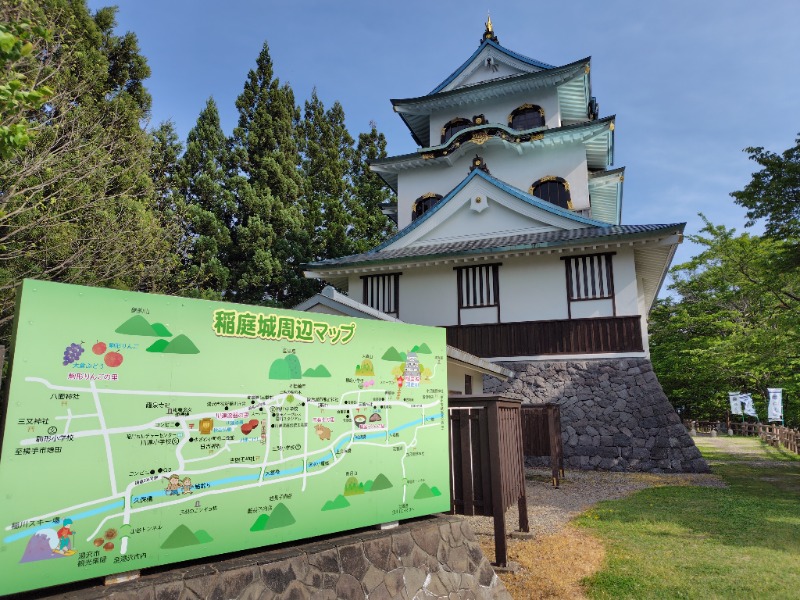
478, 287
423, 204
554, 190
590, 277
453, 126
526, 116
382, 292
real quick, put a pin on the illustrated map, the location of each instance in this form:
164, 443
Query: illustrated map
143, 430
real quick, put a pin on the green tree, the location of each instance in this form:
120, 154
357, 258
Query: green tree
732, 327
210, 204
22, 89
78, 204
327, 156
270, 235
370, 193
773, 193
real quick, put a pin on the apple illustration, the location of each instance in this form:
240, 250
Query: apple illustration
113, 359
99, 348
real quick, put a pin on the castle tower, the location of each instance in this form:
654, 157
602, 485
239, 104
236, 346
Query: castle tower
510, 236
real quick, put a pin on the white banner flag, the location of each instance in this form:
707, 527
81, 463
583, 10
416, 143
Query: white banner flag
749, 409
775, 408
736, 405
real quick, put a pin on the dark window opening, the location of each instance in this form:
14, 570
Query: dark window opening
554, 190
453, 127
423, 204
526, 116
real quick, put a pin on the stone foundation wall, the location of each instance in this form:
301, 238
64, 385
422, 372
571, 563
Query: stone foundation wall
436, 557
614, 414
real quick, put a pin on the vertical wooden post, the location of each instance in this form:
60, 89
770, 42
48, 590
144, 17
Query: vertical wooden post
500, 545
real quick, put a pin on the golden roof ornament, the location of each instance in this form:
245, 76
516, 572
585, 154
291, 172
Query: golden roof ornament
489, 33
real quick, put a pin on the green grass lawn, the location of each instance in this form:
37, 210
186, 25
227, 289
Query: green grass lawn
741, 541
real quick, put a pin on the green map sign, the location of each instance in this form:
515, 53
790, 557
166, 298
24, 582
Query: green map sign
143, 430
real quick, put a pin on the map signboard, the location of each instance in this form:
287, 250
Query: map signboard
143, 430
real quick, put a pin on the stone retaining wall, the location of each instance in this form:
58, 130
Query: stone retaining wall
436, 557
614, 414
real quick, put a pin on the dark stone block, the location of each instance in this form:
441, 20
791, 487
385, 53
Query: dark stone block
353, 560
327, 561
379, 553
349, 587
277, 577
427, 539
620, 439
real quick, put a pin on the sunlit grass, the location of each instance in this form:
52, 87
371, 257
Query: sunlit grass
742, 541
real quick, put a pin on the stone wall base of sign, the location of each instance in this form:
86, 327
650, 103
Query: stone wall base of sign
430, 557
614, 414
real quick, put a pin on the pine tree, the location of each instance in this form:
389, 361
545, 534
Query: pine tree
269, 236
369, 225
210, 204
327, 158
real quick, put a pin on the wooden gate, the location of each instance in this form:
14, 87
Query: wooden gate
487, 474
541, 435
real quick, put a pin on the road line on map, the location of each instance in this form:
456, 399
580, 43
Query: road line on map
109, 456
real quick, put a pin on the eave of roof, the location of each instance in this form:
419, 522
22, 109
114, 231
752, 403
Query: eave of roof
429, 102
415, 112
487, 42
607, 234
388, 167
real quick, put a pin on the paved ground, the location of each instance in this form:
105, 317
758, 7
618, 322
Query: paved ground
550, 509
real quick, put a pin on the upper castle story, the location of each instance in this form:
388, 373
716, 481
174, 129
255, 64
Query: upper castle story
535, 126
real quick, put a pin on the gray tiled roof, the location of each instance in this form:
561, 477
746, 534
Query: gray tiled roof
523, 241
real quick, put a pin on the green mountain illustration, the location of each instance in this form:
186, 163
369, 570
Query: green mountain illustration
320, 371
280, 517
161, 330
380, 483
426, 492
158, 346
393, 355
182, 536
138, 325
339, 502
286, 368
203, 536
421, 349
180, 345
260, 523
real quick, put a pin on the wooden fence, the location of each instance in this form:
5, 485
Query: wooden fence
772, 434
487, 466
541, 435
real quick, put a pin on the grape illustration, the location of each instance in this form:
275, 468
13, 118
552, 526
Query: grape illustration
72, 353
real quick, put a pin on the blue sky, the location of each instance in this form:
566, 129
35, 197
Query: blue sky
692, 82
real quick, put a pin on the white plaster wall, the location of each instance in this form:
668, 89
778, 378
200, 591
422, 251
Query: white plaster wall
498, 110
455, 379
428, 295
520, 171
592, 308
483, 73
625, 286
532, 288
